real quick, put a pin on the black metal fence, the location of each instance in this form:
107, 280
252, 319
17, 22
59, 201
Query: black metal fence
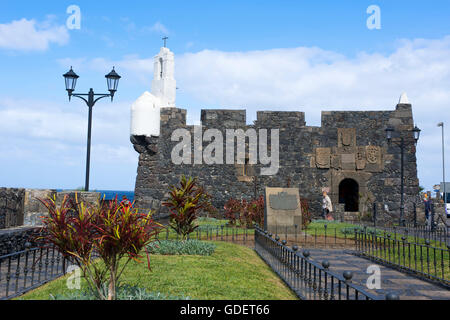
26, 270
324, 236
434, 223
307, 278
438, 234
422, 259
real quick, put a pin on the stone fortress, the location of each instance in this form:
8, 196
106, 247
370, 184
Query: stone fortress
348, 154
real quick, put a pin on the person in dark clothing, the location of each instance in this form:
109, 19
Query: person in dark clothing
427, 204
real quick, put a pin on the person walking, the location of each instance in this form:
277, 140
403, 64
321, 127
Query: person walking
327, 207
427, 205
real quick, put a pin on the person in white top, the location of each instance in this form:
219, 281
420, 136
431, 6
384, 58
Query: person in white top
327, 206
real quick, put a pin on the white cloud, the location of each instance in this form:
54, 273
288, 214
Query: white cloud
29, 35
43, 120
159, 28
314, 80
43, 144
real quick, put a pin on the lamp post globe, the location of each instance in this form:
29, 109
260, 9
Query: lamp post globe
112, 80
71, 81
416, 132
389, 132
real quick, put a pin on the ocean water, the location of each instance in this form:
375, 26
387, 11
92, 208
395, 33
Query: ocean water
111, 194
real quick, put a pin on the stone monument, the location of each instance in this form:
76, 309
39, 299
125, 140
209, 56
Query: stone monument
283, 210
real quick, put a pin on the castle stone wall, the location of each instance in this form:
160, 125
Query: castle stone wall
347, 145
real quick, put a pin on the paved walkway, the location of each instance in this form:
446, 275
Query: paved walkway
406, 286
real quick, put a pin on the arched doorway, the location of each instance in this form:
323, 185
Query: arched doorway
349, 195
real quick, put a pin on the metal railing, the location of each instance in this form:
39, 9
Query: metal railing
307, 278
437, 234
26, 270
422, 259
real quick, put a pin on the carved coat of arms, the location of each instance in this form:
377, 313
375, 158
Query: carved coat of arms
360, 158
346, 137
323, 156
373, 154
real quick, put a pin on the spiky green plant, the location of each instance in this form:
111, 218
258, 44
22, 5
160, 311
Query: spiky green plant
109, 231
184, 204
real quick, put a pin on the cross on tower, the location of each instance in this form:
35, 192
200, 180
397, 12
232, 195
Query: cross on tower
165, 41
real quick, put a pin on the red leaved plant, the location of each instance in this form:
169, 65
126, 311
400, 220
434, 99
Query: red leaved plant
247, 212
184, 204
306, 213
109, 231
232, 211
255, 210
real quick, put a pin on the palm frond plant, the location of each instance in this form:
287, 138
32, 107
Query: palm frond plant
184, 204
110, 232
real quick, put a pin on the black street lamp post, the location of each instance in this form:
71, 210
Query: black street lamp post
91, 99
400, 141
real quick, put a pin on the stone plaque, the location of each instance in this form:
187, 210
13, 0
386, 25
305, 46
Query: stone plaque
348, 161
373, 154
283, 210
323, 156
346, 137
283, 201
361, 158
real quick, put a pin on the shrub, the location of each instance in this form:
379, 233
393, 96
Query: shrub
184, 204
248, 212
253, 212
108, 231
232, 211
188, 247
306, 214
124, 292
210, 210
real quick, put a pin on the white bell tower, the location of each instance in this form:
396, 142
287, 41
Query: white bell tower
164, 85
146, 110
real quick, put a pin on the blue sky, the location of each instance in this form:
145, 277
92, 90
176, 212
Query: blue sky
337, 63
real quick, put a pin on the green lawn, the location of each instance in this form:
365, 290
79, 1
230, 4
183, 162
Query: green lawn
332, 228
208, 229
342, 230
232, 273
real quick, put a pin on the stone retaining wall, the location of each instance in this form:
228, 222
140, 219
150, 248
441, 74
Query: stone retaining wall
11, 207
14, 239
33, 208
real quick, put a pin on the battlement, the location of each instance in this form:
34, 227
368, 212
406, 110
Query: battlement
173, 117
281, 118
217, 118
400, 118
